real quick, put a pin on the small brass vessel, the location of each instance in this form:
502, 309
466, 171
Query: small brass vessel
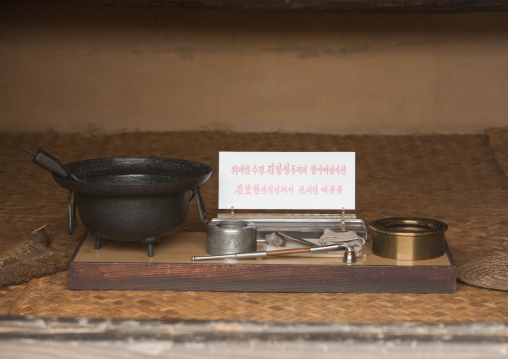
408, 239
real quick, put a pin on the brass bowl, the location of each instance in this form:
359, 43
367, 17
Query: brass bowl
408, 239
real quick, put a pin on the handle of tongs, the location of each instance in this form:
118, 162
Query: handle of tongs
203, 216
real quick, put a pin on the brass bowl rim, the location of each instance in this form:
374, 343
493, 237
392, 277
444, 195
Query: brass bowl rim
384, 226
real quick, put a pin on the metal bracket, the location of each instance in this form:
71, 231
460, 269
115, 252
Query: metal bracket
73, 221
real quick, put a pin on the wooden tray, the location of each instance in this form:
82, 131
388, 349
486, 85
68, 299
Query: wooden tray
126, 266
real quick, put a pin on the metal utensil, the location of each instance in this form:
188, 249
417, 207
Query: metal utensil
230, 236
296, 239
129, 199
349, 255
408, 239
51, 164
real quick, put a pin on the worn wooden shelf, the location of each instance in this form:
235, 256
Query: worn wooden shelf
305, 5
126, 266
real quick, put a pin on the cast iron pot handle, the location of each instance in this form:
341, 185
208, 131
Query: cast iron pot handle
201, 205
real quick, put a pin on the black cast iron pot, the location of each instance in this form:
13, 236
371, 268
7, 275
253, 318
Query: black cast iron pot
129, 198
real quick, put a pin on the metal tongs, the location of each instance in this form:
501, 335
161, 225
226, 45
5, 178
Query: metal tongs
349, 255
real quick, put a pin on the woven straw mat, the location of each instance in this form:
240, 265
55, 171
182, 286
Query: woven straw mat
488, 272
457, 179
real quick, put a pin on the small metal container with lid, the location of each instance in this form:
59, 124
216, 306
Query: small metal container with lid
230, 237
408, 239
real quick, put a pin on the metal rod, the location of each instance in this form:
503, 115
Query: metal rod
296, 239
275, 253
237, 255
29, 151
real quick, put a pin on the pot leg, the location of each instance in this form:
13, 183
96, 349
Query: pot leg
97, 243
150, 241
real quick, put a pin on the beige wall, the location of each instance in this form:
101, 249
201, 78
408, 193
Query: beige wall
113, 69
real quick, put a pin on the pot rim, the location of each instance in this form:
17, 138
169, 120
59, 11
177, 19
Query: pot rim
100, 176
395, 226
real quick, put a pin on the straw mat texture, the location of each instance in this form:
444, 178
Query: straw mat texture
498, 138
487, 272
49, 296
457, 179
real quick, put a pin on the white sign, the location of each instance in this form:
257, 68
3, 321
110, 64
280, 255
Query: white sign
287, 180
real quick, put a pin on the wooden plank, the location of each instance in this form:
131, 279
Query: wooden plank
124, 266
382, 6
29, 337
262, 278
56, 329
